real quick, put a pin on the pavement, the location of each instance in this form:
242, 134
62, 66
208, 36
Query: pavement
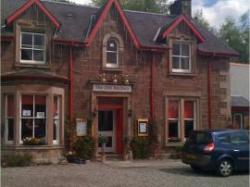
150, 173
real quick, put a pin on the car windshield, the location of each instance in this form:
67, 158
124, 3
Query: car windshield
200, 138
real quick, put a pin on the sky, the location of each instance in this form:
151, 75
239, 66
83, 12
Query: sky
215, 11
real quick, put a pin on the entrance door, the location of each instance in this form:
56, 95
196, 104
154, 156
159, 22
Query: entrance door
106, 128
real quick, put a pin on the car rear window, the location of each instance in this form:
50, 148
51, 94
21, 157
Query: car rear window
201, 138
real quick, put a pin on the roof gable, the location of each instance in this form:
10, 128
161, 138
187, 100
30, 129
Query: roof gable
180, 19
16, 14
103, 15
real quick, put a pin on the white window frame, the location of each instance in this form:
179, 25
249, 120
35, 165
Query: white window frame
180, 70
33, 49
58, 117
110, 65
6, 118
33, 116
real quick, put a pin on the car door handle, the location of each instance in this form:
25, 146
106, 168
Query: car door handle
236, 150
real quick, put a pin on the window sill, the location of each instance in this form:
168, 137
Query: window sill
24, 65
182, 74
112, 69
32, 147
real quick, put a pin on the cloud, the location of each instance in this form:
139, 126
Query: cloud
218, 12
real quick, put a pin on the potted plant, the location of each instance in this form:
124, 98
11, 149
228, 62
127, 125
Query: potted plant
33, 141
84, 149
102, 140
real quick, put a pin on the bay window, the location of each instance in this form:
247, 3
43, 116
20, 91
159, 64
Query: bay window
9, 118
33, 117
181, 57
32, 48
181, 119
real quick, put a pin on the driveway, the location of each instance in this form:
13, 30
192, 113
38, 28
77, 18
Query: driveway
117, 174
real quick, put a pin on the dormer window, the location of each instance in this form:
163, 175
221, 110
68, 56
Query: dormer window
32, 48
112, 52
181, 57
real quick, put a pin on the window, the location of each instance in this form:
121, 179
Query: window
32, 48
56, 119
9, 118
188, 117
33, 117
181, 118
238, 120
181, 58
112, 52
173, 121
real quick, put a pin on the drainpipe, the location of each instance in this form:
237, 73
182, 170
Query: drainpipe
71, 78
151, 89
209, 95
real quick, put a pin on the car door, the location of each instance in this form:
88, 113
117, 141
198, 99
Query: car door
241, 141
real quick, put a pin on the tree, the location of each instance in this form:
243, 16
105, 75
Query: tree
158, 6
237, 36
198, 16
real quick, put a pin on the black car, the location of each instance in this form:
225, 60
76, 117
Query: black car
224, 151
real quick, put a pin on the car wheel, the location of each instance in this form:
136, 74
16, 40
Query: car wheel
225, 168
195, 168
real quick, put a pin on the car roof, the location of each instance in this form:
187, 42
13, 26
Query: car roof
219, 131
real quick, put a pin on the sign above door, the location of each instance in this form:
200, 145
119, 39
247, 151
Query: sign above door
112, 88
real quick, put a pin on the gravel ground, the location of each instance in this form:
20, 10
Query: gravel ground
117, 174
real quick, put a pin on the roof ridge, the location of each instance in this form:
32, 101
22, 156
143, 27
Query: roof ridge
143, 12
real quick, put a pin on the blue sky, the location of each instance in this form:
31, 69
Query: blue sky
215, 11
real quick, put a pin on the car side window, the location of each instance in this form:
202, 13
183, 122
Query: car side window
224, 139
239, 138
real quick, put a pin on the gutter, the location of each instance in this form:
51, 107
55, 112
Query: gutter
151, 86
217, 54
71, 80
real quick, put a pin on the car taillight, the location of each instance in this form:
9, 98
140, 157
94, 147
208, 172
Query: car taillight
208, 148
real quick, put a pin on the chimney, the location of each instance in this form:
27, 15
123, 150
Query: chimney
181, 7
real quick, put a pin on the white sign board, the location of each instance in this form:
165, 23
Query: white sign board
112, 88
81, 127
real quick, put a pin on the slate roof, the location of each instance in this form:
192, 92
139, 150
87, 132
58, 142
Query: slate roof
75, 23
239, 101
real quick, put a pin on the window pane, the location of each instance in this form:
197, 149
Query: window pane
112, 45
40, 106
10, 106
27, 40
185, 50
38, 55
188, 127
239, 138
27, 128
189, 110
10, 129
57, 117
38, 41
40, 128
27, 106
173, 130
26, 54
185, 63
105, 121
111, 58
176, 64
176, 49
173, 109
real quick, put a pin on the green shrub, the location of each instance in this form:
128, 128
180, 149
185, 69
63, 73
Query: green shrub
84, 147
17, 160
140, 147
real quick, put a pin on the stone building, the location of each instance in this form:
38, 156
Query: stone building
125, 70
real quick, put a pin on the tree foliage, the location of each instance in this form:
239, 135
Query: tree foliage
158, 6
237, 35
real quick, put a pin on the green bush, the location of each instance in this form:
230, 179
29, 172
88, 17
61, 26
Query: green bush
84, 147
17, 160
140, 147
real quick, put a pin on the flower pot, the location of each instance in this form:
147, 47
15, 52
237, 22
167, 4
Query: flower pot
80, 161
71, 158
